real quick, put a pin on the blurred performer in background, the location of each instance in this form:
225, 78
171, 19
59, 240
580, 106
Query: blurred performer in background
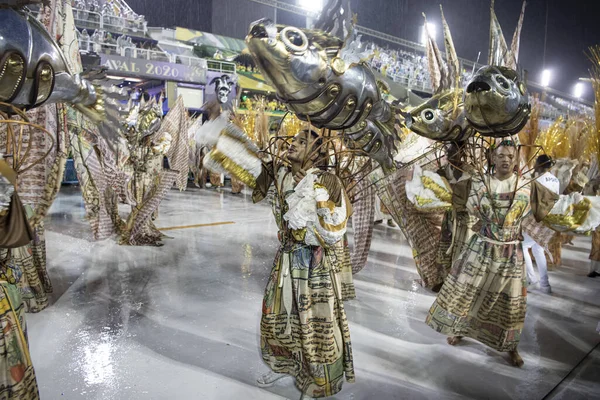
382, 214
532, 230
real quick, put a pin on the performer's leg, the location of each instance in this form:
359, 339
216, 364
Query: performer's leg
594, 269
515, 358
527, 244
269, 379
454, 340
540, 260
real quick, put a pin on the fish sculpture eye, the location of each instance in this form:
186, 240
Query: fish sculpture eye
428, 115
294, 39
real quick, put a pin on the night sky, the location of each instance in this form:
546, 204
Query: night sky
573, 26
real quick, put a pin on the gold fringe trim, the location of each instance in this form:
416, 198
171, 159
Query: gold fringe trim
442, 193
326, 204
232, 167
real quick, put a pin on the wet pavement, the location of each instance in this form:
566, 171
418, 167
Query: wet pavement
182, 321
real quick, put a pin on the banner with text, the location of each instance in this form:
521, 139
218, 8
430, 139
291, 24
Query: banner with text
149, 69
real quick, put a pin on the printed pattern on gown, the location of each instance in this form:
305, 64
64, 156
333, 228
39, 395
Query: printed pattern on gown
421, 229
17, 377
484, 297
304, 330
341, 252
456, 234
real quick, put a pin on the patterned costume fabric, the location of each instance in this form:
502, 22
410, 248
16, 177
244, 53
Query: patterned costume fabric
456, 227
343, 260
362, 223
304, 330
540, 233
140, 229
33, 280
455, 236
176, 123
422, 230
215, 180
484, 297
94, 177
236, 186
17, 380
555, 248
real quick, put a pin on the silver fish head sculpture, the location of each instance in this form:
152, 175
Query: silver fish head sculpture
496, 102
288, 59
440, 118
34, 71
319, 87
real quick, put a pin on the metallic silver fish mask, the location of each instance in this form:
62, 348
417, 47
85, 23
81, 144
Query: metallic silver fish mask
284, 54
33, 71
318, 86
440, 118
496, 102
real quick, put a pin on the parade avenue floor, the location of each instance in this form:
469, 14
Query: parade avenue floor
182, 321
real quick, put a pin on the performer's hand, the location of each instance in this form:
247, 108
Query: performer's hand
299, 175
406, 173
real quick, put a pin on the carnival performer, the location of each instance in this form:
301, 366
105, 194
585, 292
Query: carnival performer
382, 214
17, 377
484, 297
551, 182
304, 330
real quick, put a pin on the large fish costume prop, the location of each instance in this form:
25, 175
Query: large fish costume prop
324, 80
496, 99
33, 70
442, 117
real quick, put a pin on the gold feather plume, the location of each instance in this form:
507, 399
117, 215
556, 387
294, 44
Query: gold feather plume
575, 138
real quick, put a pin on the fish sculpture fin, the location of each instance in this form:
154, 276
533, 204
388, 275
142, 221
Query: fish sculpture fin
513, 58
452, 62
336, 19
498, 47
438, 71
